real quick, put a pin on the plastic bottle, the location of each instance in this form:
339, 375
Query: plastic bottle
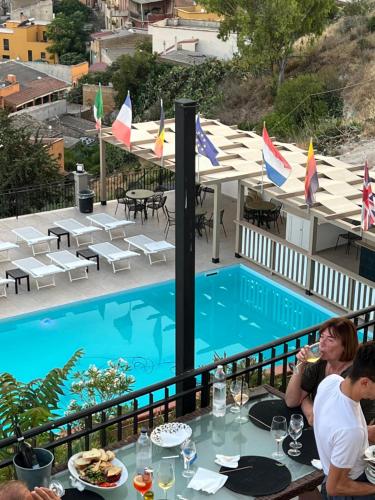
219, 401
143, 452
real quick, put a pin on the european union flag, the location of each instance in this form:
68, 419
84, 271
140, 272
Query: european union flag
204, 145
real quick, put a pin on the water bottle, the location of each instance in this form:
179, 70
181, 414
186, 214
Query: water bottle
143, 452
219, 402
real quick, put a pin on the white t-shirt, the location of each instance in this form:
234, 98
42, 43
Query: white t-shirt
340, 428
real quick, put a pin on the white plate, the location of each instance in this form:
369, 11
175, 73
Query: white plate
171, 434
370, 452
370, 476
115, 461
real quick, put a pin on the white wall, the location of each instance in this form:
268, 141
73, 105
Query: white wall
45, 111
327, 236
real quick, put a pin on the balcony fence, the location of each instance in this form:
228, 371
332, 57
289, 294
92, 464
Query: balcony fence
112, 422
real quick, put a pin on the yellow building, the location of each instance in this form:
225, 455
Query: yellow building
196, 13
25, 41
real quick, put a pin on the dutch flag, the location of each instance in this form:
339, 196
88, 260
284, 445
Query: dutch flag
277, 168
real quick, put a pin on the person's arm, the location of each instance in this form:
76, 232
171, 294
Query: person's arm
340, 484
371, 433
43, 494
294, 394
308, 410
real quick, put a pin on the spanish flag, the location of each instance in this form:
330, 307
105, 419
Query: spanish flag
311, 179
159, 143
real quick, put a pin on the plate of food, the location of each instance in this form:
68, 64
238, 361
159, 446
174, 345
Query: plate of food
171, 434
370, 453
98, 468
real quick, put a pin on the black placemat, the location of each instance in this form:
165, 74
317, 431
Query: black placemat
265, 477
262, 413
73, 494
309, 451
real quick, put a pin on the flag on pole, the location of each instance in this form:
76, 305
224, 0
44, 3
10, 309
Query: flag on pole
159, 143
98, 108
204, 145
277, 168
121, 127
311, 178
368, 201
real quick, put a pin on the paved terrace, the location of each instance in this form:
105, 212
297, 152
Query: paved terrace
104, 281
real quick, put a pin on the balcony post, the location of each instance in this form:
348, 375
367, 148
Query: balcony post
185, 110
311, 251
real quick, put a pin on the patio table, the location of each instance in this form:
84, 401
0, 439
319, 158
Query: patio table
260, 207
214, 435
140, 194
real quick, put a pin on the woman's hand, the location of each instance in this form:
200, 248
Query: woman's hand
44, 494
302, 355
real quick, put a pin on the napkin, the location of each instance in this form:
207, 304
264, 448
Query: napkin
228, 461
207, 480
317, 464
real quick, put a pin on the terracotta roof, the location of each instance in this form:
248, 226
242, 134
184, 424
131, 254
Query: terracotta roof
34, 89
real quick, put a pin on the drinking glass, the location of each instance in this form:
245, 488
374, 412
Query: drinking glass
57, 488
189, 451
165, 476
295, 431
279, 432
297, 420
235, 388
143, 482
313, 355
241, 397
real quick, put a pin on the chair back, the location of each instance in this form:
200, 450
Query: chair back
221, 215
163, 201
277, 203
120, 194
170, 215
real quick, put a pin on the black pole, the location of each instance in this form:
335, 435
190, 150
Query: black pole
185, 111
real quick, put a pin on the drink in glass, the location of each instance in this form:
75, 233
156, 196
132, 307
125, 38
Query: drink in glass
241, 397
143, 482
189, 451
165, 476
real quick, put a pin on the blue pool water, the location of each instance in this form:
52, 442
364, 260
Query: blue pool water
236, 309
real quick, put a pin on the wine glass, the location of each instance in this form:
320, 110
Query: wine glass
279, 432
143, 482
189, 451
57, 488
312, 356
241, 397
298, 421
295, 431
235, 388
165, 476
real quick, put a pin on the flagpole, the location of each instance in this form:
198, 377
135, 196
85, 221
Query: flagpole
261, 187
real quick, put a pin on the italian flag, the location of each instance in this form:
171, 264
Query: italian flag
98, 108
121, 127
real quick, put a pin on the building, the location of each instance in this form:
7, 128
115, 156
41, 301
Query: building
107, 46
89, 92
70, 74
137, 13
27, 9
25, 41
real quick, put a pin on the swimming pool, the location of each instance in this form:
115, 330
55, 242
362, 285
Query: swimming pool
236, 309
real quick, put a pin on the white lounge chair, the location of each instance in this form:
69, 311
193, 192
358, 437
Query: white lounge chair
110, 224
150, 247
34, 238
77, 230
69, 262
5, 246
3, 286
113, 254
38, 270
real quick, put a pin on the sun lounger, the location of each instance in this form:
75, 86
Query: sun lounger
3, 286
34, 238
5, 246
150, 247
77, 230
38, 270
110, 224
69, 262
113, 254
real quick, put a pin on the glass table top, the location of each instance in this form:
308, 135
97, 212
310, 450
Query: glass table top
212, 435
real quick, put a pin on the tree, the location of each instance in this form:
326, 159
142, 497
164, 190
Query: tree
268, 29
67, 34
71, 58
24, 160
70, 7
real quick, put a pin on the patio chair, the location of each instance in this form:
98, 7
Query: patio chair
38, 270
34, 238
78, 230
198, 194
271, 216
110, 224
135, 206
279, 206
171, 220
3, 286
120, 197
210, 221
5, 246
200, 225
69, 262
150, 247
157, 202
113, 255
205, 190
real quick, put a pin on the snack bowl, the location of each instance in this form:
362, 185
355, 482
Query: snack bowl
171, 434
115, 462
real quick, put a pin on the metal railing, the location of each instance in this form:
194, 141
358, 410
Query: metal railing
113, 421
312, 273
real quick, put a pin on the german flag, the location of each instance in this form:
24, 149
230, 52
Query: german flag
159, 143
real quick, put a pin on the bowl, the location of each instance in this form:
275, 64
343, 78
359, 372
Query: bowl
73, 471
370, 452
171, 434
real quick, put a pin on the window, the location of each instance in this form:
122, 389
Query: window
29, 55
44, 36
6, 44
42, 55
6, 57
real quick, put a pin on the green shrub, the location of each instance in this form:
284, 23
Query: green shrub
356, 8
278, 125
371, 24
364, 44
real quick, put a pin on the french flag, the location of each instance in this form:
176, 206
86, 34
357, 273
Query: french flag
121, 127
277, 168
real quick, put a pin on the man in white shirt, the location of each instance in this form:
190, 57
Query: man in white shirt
340, 428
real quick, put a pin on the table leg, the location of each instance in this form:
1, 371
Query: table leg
68, 237
97, 262
16, 285
28, 283
58, 242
